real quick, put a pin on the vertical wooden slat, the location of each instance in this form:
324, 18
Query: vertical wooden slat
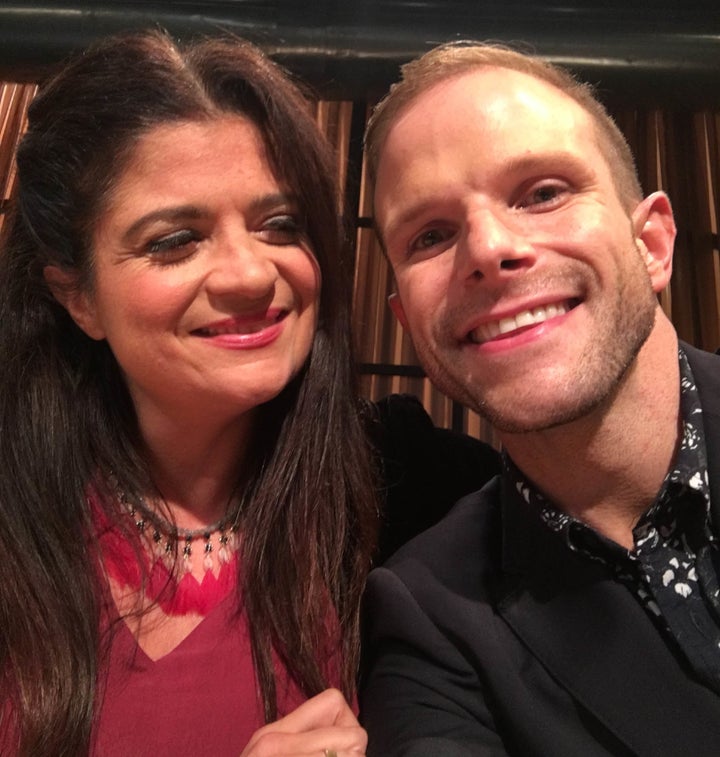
14, 102
704, 252
678, 149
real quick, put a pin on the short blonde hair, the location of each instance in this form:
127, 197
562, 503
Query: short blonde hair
457, 58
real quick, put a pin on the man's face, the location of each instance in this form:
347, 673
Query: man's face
520, 276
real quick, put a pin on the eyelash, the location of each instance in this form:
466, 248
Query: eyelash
558, 188
172, 242
416, 243
287, 225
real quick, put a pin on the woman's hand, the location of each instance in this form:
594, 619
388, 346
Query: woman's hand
324, 725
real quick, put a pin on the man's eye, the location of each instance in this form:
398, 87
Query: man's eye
428, 239
543, 194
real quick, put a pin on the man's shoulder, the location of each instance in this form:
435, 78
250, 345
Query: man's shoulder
706, 363
461, 548
706, 372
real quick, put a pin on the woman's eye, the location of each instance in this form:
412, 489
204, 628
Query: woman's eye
282, 229
429, 238
176, 245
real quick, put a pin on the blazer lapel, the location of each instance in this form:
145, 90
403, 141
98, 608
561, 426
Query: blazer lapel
595, 639
706, 370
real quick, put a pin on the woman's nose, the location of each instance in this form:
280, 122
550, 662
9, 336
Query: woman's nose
242, 265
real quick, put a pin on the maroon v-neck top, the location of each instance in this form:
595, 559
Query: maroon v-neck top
199, 699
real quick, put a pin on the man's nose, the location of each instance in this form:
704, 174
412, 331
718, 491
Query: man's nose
494, 247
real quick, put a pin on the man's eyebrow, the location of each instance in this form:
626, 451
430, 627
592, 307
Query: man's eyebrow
545, 161
193, 212
409, 216
562, 165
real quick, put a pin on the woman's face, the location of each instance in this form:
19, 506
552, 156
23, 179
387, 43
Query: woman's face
204, 285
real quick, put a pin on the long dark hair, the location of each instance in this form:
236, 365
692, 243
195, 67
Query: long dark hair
65, 413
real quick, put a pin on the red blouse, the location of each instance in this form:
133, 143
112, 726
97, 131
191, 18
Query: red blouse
199, 699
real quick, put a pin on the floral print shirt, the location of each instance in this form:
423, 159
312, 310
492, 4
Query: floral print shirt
673, 568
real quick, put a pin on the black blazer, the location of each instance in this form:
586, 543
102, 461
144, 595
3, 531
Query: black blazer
487, 636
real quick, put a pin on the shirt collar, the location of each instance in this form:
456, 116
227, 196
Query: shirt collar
688, 475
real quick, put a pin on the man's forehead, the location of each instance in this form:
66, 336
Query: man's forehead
482, 119
489, 95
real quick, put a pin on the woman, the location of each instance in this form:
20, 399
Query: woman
187, 508
170, 358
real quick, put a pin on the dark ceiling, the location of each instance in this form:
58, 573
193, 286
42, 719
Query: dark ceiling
662, 52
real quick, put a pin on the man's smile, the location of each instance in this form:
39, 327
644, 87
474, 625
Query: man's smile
521, 320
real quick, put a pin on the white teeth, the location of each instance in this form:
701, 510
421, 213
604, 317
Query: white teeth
242, 330
532, 317
251, 329
525, 319
506, 325
238, 328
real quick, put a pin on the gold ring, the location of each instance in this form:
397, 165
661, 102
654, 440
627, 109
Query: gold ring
330, 753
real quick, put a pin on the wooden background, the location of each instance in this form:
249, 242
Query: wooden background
676, 150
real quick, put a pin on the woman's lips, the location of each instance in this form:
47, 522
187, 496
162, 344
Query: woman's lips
241, 325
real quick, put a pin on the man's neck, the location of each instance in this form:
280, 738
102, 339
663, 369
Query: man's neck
606, 468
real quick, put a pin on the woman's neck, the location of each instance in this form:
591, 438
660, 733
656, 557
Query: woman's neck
196, 468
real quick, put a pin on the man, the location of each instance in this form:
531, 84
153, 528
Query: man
570, 608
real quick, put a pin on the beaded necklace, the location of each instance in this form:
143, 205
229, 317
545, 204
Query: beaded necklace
166, 576
167, 537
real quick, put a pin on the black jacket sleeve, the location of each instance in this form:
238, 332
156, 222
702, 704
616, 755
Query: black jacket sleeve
422, 696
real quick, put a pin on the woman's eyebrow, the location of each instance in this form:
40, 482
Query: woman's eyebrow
274, 200
170, 214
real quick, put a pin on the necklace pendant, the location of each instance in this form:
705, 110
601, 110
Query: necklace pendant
169, 555
158, 547
207, 560
186, 554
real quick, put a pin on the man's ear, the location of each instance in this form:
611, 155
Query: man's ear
79, 304
398, 310
654, 229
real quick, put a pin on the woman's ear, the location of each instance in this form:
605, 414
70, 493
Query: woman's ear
654, 229
80, 305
